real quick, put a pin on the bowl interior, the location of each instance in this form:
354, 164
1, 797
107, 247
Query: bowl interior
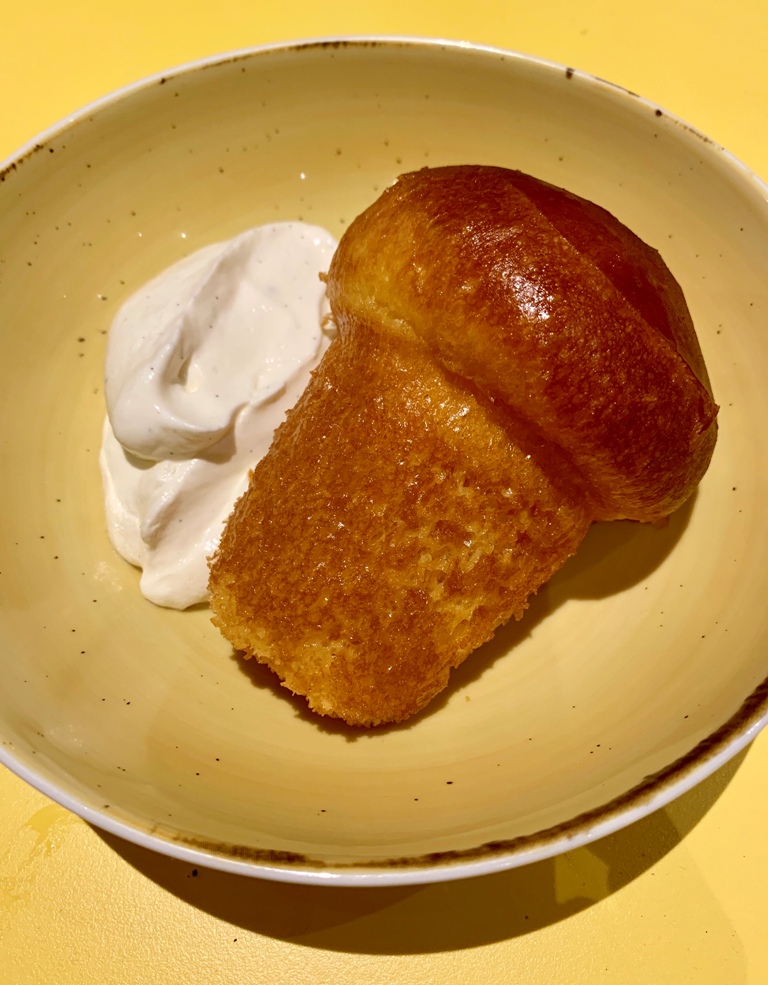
144, 719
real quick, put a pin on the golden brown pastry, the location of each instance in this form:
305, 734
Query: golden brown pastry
512, 364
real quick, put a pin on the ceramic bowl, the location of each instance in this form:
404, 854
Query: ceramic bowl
639, 669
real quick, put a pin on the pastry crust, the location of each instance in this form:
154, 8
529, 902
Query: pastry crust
512, 364
551, 305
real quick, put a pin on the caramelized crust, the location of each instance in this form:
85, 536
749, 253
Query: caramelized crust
395, 523
551, 305
512, 364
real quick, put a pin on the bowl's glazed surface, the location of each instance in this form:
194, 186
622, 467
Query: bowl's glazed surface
637, 670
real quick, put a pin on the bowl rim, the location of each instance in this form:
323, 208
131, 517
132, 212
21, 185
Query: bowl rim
653, 793
633, 805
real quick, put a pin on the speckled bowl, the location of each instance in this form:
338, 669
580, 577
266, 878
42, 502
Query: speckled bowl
639, 669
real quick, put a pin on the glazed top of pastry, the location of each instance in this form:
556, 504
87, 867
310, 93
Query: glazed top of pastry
547, 303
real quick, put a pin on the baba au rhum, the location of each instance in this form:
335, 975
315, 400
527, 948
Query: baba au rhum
512, 364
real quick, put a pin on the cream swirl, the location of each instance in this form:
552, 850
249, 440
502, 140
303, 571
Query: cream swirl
201, 366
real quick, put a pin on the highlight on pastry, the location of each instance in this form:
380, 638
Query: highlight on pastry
512, 364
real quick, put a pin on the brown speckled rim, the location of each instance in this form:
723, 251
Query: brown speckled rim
40, 142
652, 793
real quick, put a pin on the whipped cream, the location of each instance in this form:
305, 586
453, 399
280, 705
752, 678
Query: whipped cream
201, 366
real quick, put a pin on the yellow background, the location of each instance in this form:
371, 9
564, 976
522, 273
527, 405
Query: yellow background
676, 898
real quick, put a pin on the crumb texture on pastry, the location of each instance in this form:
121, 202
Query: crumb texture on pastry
512, 364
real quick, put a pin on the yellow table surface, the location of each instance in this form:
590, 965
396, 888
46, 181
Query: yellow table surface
680, 896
